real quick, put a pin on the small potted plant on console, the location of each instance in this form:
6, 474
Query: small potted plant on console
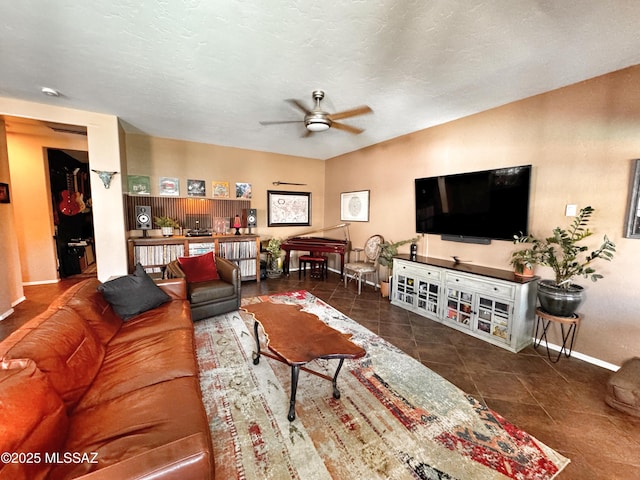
166, 225
524, 261
563, 253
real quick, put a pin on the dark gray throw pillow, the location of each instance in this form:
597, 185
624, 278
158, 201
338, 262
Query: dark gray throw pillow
133, 294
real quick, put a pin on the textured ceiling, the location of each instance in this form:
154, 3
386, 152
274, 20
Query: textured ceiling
209, 71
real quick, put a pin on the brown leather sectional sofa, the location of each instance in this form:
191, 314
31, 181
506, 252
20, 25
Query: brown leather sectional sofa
85, 395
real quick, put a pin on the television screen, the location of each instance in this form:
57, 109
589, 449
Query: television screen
491, 204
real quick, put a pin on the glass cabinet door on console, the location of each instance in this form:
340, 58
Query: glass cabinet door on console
428, 294
417, 289
484, 307
494, 317
405, 288
459, 307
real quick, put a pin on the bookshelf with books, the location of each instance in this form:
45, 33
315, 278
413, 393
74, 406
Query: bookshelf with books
154, 253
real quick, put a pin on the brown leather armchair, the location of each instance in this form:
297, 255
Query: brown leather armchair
212, 297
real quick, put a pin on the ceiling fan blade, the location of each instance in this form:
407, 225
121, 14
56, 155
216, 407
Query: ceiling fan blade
296, 103
346, 128
307, 133
279, 122
350, 113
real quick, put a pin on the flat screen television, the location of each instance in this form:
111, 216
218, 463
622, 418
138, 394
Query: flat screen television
475, 206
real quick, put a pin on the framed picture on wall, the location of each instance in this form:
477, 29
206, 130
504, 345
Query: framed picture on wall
139, 185
196, 188
169, 186
632, 228
243, 190
220, 189
354, 206
4, 193
286, 209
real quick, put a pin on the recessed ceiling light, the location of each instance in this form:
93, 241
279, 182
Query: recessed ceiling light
52, 92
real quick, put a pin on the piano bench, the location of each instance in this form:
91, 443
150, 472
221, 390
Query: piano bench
318, 266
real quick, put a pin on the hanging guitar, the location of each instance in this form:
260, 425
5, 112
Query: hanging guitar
82, 190
72, 203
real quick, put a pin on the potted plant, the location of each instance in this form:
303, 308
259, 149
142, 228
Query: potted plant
166, 225
564, 254
274, 260
388, 250
523, 261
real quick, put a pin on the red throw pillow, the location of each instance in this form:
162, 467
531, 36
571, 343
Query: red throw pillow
199, 268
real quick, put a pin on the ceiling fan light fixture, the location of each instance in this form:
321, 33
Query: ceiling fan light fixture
318, 124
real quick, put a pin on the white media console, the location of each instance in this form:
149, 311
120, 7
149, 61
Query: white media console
491, 304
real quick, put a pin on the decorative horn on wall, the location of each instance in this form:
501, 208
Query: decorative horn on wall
287, 183
105, 177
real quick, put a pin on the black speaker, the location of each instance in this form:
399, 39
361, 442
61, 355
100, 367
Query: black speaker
250, 217
143, 217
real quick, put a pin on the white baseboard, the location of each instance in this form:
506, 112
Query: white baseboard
6, 314
586, 358
42, 282
18, 301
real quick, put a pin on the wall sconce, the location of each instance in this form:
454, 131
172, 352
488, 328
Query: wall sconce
105, 177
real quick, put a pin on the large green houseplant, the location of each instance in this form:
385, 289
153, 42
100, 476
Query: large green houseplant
568, 258
388, 250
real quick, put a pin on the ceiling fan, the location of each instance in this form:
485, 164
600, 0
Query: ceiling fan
317, 120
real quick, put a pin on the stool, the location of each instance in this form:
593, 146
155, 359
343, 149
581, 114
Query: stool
623, 388
317, 263
544, 319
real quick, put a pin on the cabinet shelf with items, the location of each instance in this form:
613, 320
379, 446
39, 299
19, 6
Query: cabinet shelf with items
489, 304
418, 289
154, 253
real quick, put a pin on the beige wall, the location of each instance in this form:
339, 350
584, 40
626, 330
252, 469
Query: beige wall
104, 139
158, 157
581, 141
11, 291
32, 208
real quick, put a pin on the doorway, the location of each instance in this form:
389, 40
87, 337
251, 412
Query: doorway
72, 211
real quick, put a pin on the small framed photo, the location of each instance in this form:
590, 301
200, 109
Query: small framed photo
169, 186
139, 185
285, 209
4, 193
632, 227
354, 206
243, 190
196, 188
220, 189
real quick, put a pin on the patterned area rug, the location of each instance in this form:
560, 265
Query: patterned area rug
396, 419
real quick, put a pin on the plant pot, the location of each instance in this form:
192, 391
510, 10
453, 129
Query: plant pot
274, 267
559, 301
526, 272
274, 273
384, 289
167, 231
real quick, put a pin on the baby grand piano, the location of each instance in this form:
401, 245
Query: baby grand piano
317, 244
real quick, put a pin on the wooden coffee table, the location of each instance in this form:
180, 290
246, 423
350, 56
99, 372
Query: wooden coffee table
296, 337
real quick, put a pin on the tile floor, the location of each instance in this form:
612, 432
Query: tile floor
561, 404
